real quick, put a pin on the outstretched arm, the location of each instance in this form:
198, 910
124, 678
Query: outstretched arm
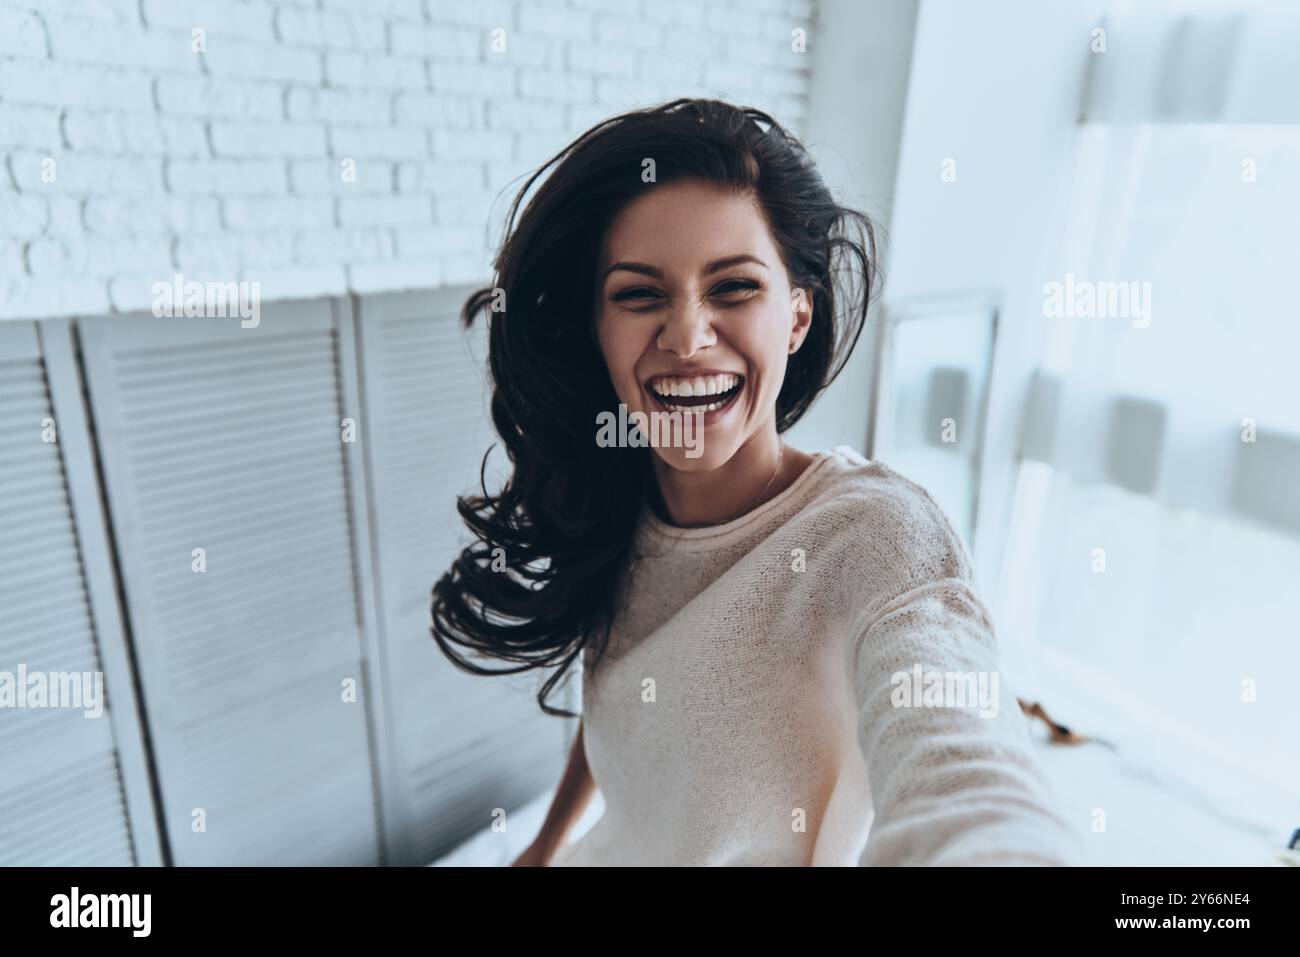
953, 777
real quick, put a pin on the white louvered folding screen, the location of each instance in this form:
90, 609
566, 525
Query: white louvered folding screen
74, 790
230, 440
464, 744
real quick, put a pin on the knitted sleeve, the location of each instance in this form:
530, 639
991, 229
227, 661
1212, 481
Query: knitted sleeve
953, 777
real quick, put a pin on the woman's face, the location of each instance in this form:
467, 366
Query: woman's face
694, 311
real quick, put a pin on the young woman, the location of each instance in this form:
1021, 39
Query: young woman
750, 618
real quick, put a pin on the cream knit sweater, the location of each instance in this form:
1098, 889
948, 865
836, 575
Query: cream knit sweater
747, 711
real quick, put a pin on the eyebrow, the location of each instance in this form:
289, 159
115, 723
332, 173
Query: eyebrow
716, 266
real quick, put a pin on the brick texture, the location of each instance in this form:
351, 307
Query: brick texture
321, 146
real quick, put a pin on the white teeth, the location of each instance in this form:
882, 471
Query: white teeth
699, 385
666, 388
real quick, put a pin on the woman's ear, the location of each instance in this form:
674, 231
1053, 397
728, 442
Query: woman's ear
802, 305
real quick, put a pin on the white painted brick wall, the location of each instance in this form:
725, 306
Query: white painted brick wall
126, 156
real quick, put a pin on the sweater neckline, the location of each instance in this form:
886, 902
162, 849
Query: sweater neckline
656, 527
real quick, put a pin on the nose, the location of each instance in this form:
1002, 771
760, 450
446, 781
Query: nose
688, 329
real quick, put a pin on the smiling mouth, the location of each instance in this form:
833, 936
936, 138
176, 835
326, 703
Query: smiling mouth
696, 393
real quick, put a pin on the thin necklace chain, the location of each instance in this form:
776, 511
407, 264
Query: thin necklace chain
757, 498
748, 505
780, 456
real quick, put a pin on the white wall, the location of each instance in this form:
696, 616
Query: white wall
862, 54
996, 87
227, 165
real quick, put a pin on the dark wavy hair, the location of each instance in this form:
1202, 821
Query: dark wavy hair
546, 572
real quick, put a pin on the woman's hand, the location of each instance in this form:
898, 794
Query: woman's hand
534, 855
571, 796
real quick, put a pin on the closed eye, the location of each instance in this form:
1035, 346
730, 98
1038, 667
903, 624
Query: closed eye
635, 293
731, 287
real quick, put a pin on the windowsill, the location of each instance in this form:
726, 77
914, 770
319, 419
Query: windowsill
1163, 799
